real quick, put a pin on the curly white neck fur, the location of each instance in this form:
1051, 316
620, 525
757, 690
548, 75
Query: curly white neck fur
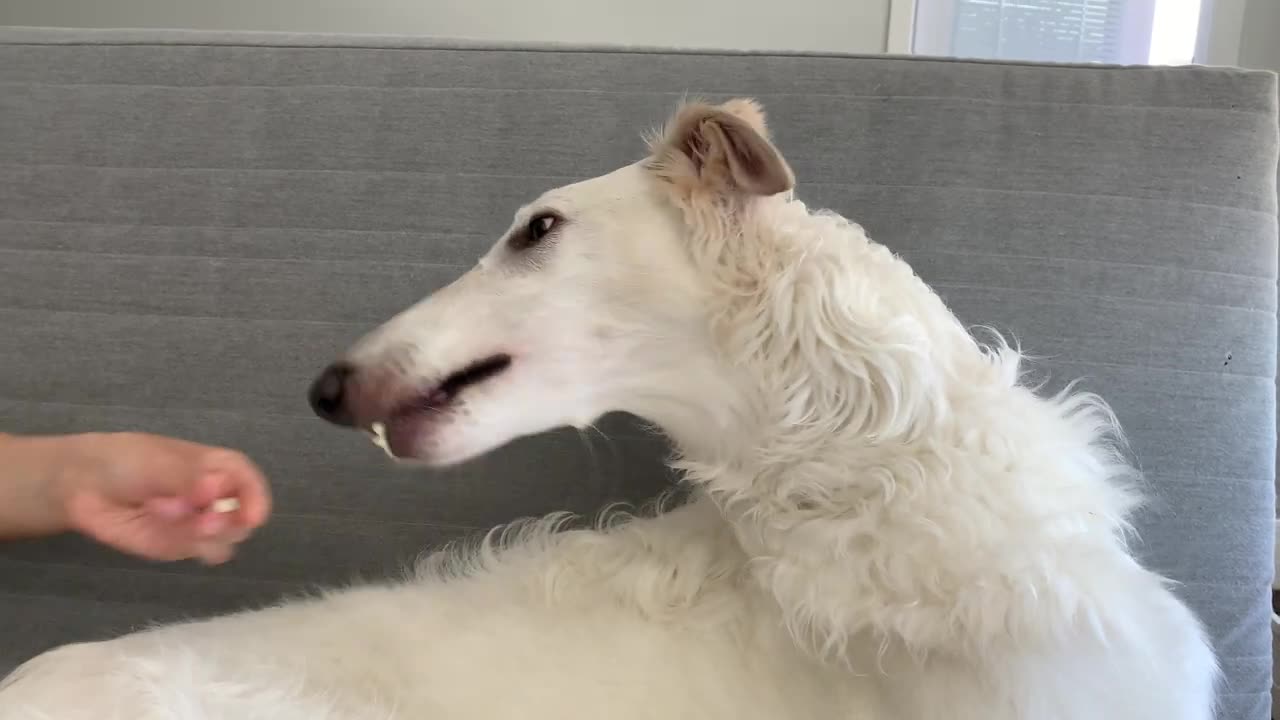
860, 396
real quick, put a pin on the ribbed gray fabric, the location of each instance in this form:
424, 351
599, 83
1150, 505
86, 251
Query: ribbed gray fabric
191, 224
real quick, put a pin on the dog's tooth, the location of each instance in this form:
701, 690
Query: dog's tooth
379, 432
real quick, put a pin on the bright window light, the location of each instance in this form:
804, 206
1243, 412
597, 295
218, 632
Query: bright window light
1173, 32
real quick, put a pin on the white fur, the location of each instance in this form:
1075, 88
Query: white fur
885, 524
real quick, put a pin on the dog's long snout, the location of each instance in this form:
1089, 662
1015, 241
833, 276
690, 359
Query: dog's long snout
329, 396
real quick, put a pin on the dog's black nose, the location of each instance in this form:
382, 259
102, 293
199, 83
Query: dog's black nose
328, 394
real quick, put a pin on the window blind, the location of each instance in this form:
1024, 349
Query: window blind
1044, 30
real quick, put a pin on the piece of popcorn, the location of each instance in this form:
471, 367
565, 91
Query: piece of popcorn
225, 505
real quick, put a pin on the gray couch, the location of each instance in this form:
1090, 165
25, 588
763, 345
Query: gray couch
192, 224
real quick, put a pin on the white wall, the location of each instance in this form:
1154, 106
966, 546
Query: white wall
1240, 32
858, 26
1260, 39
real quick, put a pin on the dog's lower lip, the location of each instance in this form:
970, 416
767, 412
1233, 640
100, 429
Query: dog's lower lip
399, 437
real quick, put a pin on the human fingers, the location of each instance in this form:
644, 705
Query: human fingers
233, 480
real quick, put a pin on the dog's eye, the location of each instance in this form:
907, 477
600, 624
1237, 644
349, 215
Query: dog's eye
539, 227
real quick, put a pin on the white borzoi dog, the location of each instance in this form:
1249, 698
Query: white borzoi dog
885, 524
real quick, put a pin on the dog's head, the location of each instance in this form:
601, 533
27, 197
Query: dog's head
590, 303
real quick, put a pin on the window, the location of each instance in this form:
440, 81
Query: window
1157, 32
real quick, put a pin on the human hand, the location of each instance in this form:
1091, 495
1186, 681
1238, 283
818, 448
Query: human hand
153, 496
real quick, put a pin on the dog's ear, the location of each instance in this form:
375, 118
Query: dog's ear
722, 148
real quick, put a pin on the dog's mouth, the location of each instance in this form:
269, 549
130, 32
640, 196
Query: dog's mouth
400, 431
447, 391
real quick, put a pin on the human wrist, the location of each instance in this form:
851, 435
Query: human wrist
39, 477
